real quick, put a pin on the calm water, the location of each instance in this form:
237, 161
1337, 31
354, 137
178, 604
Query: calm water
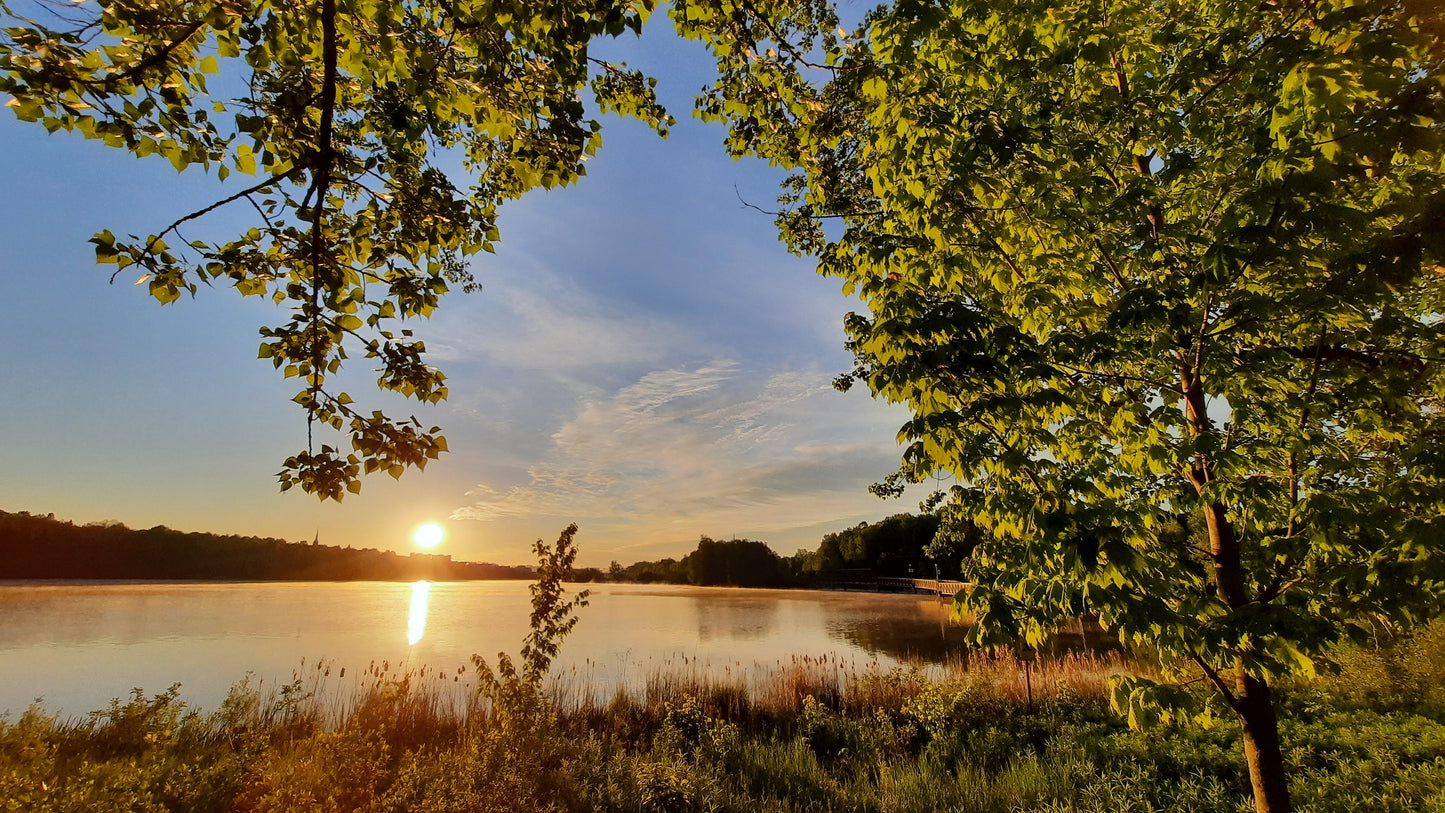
76, 646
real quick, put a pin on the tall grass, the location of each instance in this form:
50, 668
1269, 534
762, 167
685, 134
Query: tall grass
980, 734
804, 734
779, 687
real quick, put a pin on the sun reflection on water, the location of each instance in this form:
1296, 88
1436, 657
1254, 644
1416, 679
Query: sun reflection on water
416, 621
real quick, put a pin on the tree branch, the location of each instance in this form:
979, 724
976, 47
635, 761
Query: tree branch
783, 44
149, 62
325, 156
1217, 680
1367, 359
1119, 377
757, 208
244, 193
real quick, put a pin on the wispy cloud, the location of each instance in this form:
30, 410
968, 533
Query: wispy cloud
548, 324
702, 449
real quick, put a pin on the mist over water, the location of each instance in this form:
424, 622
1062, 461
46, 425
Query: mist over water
76, 646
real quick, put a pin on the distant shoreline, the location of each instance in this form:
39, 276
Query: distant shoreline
38, 548
65, 582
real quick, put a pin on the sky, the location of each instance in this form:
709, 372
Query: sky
644, 359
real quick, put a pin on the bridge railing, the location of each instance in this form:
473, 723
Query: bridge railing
892, 584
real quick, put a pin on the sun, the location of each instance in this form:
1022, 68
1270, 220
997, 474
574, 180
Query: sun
428, 536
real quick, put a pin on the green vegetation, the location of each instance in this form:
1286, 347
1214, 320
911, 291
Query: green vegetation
728, 563
740, 562
344, 123
896, 546
901, 545
809, 738
42, 547
1122, 260
1128, 260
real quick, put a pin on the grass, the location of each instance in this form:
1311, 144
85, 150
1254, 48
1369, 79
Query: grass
809, 734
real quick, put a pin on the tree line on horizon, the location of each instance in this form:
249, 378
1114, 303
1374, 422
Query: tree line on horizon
43, 547
34, 546
903, 545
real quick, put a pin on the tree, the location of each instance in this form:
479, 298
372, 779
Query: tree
895, 546
1128, 261
517, 700
829, 555
346, 116
734, 563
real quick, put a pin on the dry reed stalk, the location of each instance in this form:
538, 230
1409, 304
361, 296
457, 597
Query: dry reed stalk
418, 703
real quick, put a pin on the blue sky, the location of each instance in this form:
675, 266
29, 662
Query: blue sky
644, 359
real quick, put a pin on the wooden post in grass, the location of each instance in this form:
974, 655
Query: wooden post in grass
1026, 655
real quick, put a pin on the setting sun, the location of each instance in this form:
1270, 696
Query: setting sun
428, 536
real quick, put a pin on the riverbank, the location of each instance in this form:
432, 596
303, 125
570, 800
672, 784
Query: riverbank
810, 738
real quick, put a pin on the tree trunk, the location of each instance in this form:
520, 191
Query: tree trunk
1261, 746
1251, 695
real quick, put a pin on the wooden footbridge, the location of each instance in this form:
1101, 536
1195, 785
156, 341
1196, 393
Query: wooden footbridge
890, 584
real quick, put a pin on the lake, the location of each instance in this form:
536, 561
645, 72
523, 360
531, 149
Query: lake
74, 646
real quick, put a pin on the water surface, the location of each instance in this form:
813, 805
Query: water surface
74, 646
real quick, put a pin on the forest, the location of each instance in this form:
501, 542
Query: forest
901, 545
36, 546
43, 547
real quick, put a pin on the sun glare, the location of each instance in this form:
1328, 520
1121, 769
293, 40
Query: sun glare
428, 536
416, 619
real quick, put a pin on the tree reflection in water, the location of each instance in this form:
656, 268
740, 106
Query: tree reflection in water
740, 619
894, 629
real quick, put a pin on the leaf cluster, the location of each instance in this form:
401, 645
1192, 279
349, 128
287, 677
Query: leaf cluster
1132, 265
374, 142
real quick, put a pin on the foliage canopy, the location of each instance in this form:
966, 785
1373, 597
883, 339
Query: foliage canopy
1131, 262
374, 142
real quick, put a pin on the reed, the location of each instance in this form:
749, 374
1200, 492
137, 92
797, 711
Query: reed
799, 734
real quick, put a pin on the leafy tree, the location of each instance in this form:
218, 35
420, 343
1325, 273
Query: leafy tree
734, 563
349, 119
519, 692
888, 547
829, 555
1127, 260
669, 571
521, 713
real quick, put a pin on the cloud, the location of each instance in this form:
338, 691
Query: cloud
707, 448
544, 323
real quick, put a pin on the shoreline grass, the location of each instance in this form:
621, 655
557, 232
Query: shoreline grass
812, 734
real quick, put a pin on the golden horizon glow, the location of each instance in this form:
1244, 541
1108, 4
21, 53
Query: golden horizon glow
416, 619
428, 535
